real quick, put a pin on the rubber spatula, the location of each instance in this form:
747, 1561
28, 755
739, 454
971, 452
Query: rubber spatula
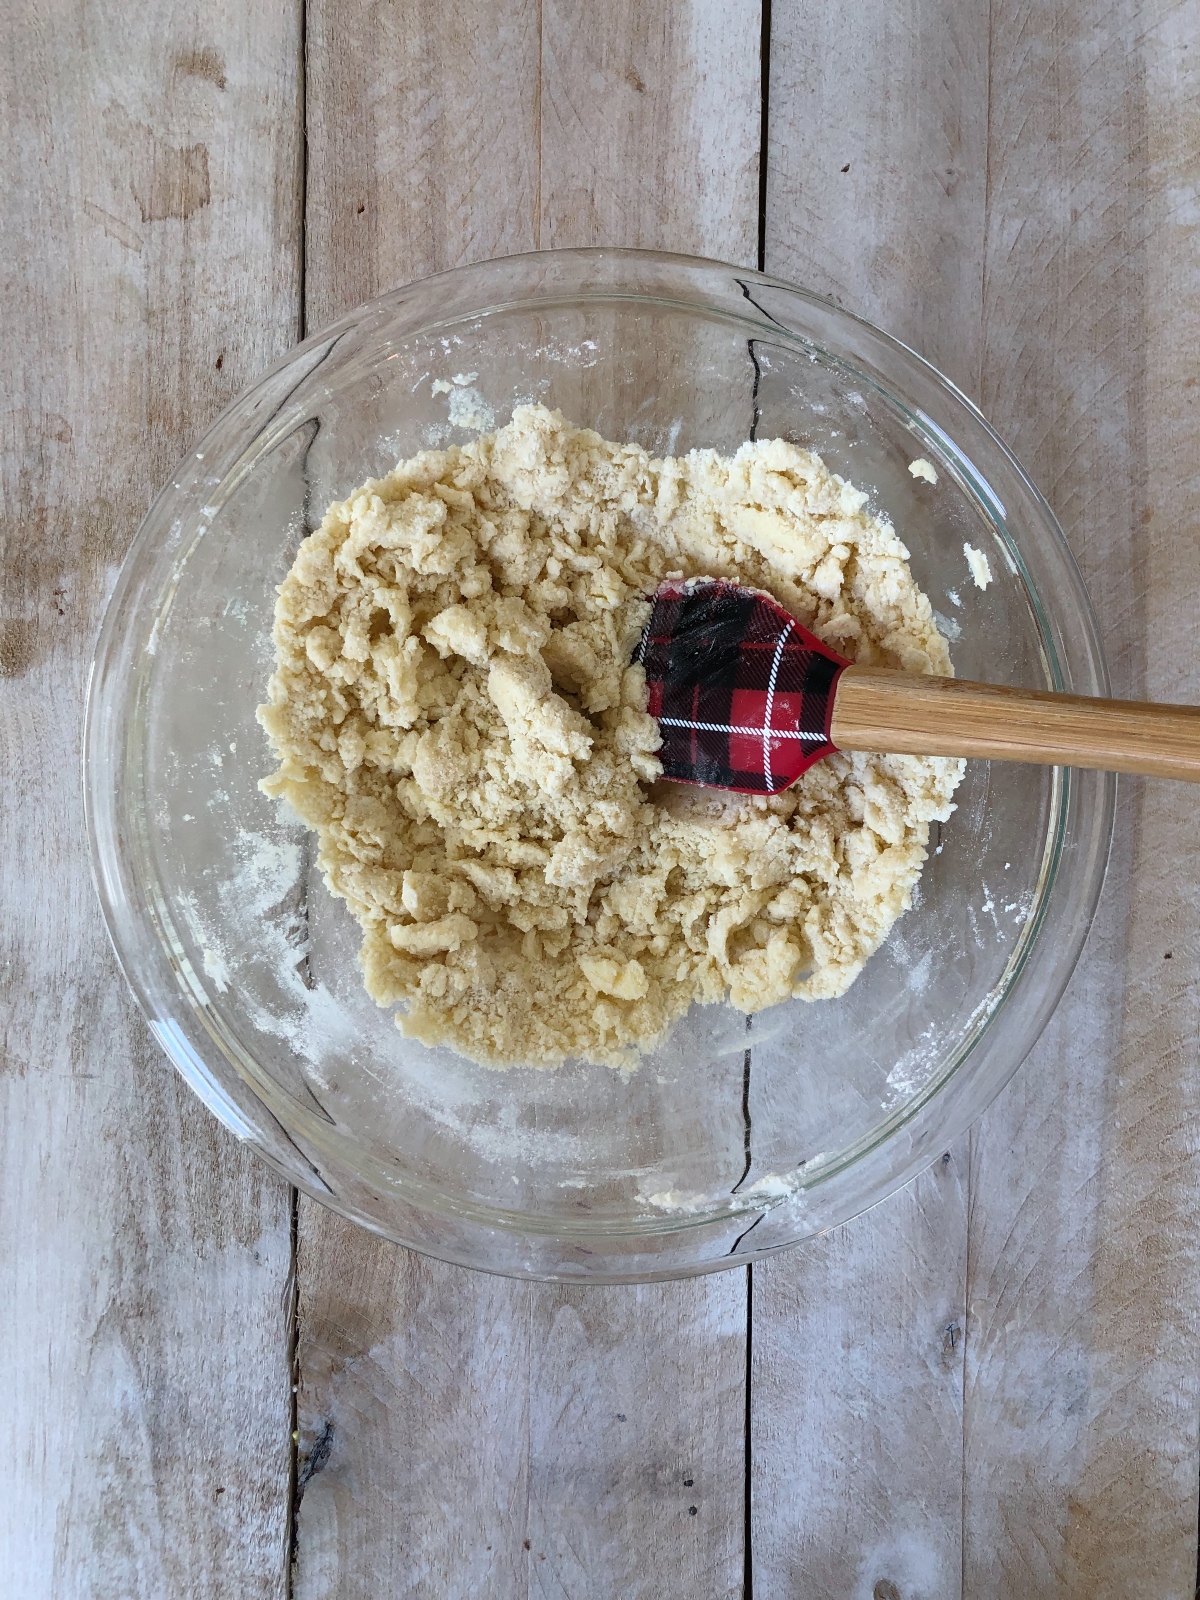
747, 699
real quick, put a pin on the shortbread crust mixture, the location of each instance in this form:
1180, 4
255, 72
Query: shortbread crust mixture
455, 713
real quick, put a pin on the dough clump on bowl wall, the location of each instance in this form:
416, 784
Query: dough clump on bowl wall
455, 713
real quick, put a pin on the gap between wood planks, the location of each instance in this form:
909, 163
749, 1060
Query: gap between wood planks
295, 1486
764, 81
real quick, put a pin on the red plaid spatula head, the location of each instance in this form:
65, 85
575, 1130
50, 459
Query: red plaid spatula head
742, 693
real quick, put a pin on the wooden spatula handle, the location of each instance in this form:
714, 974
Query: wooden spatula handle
908, 714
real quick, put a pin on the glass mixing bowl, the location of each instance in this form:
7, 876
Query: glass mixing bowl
738, 1136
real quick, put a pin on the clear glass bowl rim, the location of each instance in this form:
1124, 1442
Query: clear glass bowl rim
1084, 802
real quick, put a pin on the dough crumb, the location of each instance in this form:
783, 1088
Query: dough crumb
981, 569
920, 468
468, 409
455, 712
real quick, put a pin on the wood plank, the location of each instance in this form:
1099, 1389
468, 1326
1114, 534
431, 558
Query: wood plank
876, 166
650, 122
455, 1430
465, 1435
875, 197
856, 1387
423, 143
151, 268
642, 132
1083, 1354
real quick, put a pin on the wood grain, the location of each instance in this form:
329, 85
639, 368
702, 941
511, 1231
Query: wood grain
151, 268
438, 136
423, 143
465, 1435
1079, 1464
650, 122
461, 1435
875, 196
877, 162
910, 714
857, 1402
1082, 1403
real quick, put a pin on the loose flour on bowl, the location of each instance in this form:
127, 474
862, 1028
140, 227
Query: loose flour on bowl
454, 711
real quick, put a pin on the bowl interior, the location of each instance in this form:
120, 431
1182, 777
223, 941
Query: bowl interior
731, 1114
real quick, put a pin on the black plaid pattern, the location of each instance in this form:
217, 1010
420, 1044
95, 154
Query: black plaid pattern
742, 693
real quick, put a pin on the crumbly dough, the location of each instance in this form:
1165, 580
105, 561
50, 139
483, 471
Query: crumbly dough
981, 567
454, 712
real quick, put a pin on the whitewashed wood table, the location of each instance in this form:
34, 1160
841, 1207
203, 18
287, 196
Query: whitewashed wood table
989, 1386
